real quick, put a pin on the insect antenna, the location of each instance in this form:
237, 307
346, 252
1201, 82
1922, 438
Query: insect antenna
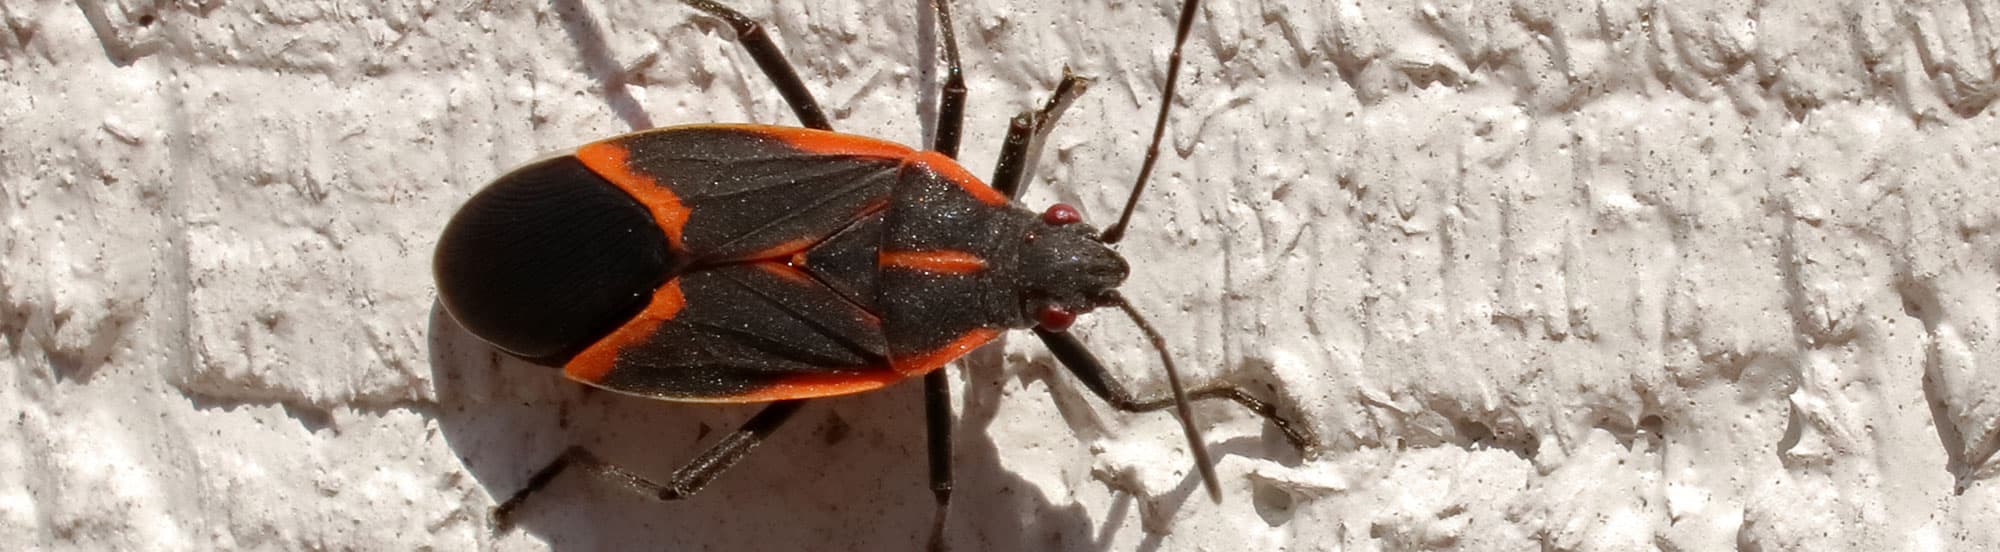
1196, 446
1117, 231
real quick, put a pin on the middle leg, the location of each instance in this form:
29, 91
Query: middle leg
951, 100
937, 389
771, 60
937, 419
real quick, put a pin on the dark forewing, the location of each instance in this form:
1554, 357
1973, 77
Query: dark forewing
841, 228
726, 193
743, 332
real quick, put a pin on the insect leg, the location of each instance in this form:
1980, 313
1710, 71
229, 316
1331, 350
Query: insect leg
771, 60
951, 102
937, 389
1078, 360
937, 418
1013, 162
686, 481
1025, 133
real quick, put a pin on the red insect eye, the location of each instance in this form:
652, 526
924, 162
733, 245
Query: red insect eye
1061, 214
1054, 318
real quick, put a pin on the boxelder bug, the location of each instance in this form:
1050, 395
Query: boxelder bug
748, 263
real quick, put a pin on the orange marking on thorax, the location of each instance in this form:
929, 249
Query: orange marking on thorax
942, 261
920, 364
950, 170
593, 363
818, 385
612, 161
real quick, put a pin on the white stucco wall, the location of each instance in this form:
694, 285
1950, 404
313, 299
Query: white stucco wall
1605, 275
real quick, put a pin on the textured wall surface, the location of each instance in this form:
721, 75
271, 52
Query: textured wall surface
1609, 275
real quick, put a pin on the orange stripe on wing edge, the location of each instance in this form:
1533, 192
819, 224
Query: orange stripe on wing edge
612, 161
920, 364
941, 261
824, 142
593, 363
950, 170
817, 385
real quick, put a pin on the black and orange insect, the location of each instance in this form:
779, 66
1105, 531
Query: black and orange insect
736, 263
